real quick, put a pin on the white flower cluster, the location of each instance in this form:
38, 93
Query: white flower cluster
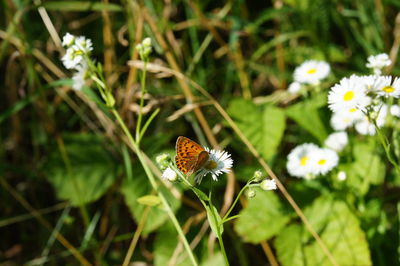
308, 161
78, 50
359, 101
377, 62
310, 72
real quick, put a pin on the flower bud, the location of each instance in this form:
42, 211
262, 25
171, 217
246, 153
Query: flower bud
373, 115
146, 42
342, 176
268, 184
162, 160
170, 175
250, 193
258, 176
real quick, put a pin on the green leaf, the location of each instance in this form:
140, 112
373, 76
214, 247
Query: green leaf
263, 126
139, 187
200, 193
343, 237
288, 246
214, 219
166, 241
338, 228
368, 164
262, 218
85, 172
80, 6
216, 259
306, 114
149, 200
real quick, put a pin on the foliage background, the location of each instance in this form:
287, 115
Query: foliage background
65, 168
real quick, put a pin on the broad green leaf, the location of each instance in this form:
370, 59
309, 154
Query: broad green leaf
338, 228
149, 200
216, 259
306, 114
262, 218
368, 164
85, 172
166, 241
214, 220
263, 126
343, 237
138, 187
288, 246
80, 6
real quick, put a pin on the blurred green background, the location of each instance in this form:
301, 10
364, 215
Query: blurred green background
64, 165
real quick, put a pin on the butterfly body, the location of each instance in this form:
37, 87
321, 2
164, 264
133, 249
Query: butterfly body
190, 156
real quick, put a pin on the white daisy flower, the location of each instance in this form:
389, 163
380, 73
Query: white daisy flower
311, 72
337, 141
369, 81
345, 118
383, 86
68, 40
326, 160
347, 94
79, 78
300, 160
72, 58
395, 110
218, 163
169, 175
268, 184
294, 87
377, 62
342, 176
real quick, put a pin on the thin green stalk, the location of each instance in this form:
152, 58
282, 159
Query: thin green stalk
224, 219
155, 186
142, 91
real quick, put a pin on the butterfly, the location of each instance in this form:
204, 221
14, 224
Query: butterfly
190, 156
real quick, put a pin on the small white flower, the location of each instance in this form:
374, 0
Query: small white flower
383, 86
395, 110
326, 160
169, 175
268, 184
68, 40
342, 176
146, 42
79, 78
311, 72
377, 62
294, 87
346, 118
349, 93
337, 141
83, 44
72, 58
219, 162
300, 160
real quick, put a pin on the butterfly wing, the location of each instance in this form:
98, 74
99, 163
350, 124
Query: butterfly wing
190, 156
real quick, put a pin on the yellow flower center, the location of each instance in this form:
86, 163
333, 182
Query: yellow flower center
211, 165
322, 162
352, 110
303, 161
388, 89
348, 96
311, 71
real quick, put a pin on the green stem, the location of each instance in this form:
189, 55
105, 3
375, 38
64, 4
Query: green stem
221, 244
234, 203
155, 186
386, 147
142, 89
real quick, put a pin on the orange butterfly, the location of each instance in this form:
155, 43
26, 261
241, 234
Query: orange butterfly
190, 156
